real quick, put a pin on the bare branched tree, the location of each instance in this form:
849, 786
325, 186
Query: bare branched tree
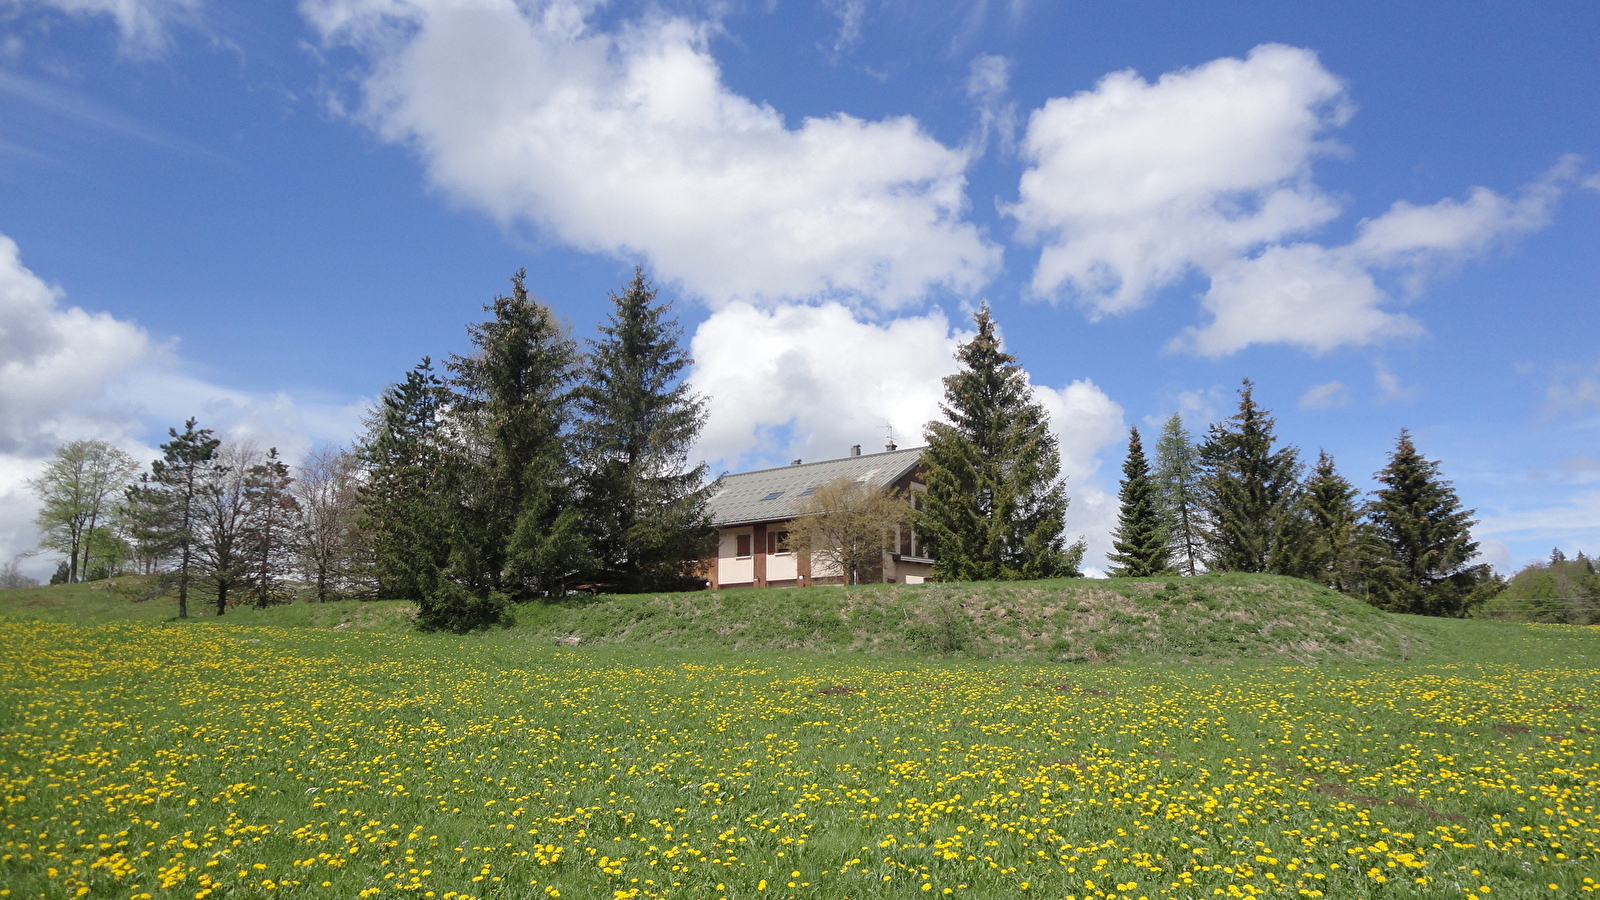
327, 487
845, 526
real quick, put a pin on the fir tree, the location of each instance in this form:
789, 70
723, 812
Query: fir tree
1177, 473
644, 507
1336, 535
994, 507
1427, 540
517, 533
273, 516
1248, 492
1139, 545
407, 496
170, 500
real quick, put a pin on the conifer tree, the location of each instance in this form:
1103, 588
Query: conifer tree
407, 496
995, 507
1427, 540
1177, 473
273, 515
1139, 545
170, 499
1248, 492
644, 507
517, 532
1337, 537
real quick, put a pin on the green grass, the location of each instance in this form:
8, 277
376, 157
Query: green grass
314, 751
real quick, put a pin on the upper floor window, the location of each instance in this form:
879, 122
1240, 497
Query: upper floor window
773, 496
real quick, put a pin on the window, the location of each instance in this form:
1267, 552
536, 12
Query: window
809, 491
741, 545
777, 542
772, 496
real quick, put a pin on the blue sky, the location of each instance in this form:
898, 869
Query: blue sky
1387, 215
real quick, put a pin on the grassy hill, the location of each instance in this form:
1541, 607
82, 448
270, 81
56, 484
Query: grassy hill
1212, 619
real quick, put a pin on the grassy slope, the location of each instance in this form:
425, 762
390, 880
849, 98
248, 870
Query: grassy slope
1213, 619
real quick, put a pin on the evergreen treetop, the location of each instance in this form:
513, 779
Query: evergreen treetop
1139, 544
1427, 537
1177, 472
644, 506
1248, 492
995, 507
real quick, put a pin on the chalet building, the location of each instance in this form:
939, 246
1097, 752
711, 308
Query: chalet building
751, 511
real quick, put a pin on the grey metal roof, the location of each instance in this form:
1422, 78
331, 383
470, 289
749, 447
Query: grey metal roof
742, 499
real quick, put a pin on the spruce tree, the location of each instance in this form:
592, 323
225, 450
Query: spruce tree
170, 500
407, 496
1177, 473
1337, 537
1139, 545
517, 532
644, 507
1248, 493
273, 517
995, 507
1427, 540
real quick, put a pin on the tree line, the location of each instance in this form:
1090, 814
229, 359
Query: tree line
534, 466
231, 521
1237, 501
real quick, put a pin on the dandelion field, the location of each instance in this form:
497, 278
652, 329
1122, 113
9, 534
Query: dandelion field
154, 760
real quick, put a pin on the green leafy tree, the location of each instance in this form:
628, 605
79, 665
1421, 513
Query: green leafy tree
77, 492
1426, 537
1249, 494
844, 526
994, 507
644, 507
1139, 544
1558, 590
407, 497
518, 532
170, 500
1177, 474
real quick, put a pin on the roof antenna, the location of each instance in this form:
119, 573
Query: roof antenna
890, 445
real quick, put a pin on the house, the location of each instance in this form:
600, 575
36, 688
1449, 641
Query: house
752, 509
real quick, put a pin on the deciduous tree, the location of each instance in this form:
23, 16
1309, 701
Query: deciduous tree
845, 526
77, 492
1177, 476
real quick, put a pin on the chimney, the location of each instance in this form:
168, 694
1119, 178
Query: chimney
855, 449
890, 446
795, 463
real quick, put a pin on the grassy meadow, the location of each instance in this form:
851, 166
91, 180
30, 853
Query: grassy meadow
981, 746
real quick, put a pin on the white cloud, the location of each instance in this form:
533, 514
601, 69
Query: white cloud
628, 143
1302, 294
1132, 185
54, 361
1573, 392
1325, 396
988, 85
142, 24
808, 381
1390, 388
67, 374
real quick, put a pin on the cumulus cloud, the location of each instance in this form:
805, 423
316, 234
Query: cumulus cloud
627, 142
67, 374
142, 24
1325, 396
809, 381
54, 360
1134, 186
